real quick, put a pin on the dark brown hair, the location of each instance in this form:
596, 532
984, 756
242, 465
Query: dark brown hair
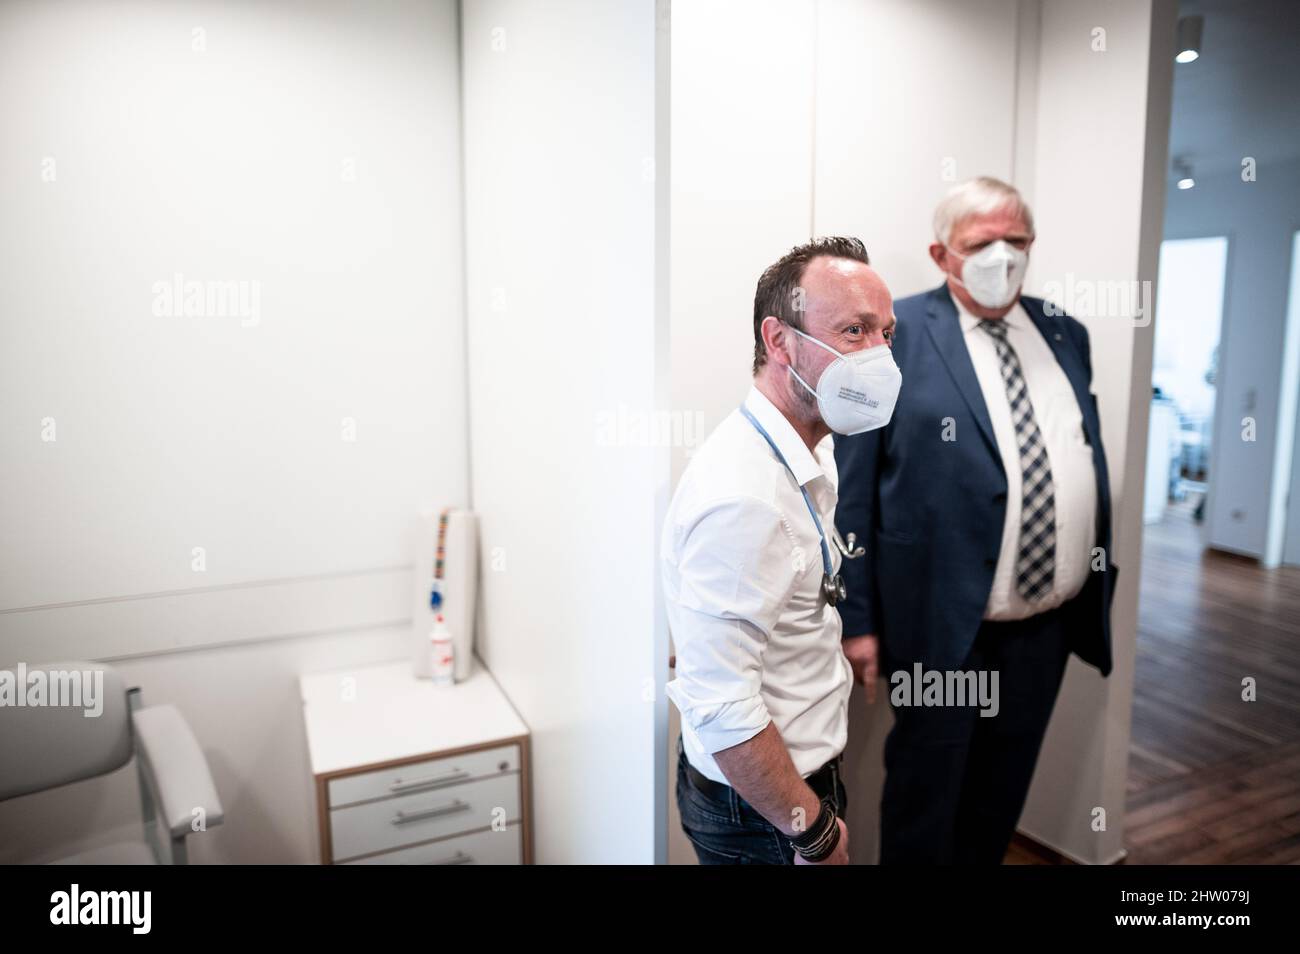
780, 281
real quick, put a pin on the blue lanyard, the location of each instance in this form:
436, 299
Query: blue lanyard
826, 550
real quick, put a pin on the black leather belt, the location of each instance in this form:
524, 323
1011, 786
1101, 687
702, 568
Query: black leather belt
822, 781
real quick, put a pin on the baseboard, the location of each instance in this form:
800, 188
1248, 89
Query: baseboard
1055, 856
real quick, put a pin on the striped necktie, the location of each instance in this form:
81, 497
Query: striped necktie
1036, 555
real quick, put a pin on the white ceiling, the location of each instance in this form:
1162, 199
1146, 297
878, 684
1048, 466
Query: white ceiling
1241, 97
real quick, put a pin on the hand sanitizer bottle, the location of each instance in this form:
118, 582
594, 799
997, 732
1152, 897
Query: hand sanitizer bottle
444, 670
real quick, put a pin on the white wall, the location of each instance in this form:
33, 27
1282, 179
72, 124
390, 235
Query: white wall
912, 97
855, 116
225, 432
742, 129
313, 149
1259, 219
561, 233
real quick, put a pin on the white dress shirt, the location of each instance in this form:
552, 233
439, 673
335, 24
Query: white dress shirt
1074, 479
742, 573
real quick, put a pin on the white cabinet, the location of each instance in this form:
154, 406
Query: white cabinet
480, 848
407, 772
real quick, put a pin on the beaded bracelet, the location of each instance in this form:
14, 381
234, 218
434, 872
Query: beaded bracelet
820, 841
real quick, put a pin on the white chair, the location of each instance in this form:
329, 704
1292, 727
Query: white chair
45, 746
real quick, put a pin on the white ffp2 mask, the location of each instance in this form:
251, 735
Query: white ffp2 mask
994, 274
856, 393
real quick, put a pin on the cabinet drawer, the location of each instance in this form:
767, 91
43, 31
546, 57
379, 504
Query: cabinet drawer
394, 822
481, 848
423, 776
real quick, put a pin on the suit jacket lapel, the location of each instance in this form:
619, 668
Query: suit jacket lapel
1053, 332
945, 330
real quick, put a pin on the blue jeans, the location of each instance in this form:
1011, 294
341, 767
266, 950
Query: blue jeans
730, 831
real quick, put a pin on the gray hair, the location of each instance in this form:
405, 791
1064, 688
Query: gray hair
978, 196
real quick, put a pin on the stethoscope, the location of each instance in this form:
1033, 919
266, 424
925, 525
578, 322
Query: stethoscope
832, 583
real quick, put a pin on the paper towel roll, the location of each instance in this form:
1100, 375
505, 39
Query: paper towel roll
459, 590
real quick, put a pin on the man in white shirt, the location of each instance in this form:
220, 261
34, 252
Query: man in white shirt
750, 562
985, 510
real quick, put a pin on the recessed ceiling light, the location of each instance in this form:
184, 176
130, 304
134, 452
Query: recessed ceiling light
1189, 38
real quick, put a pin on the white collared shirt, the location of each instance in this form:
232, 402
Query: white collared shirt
756, 640
1074, 479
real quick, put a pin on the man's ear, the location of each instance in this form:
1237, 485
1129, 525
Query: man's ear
939, 254
776, 340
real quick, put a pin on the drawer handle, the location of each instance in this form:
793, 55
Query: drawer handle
459, 858
430, 781
401, 818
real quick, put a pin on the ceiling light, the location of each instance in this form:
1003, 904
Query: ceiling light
1189, 38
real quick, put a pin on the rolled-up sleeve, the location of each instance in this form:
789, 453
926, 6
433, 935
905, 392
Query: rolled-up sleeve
732, 568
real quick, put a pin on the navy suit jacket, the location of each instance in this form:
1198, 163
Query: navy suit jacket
930, 512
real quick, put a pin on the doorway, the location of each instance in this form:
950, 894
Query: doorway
1189, 316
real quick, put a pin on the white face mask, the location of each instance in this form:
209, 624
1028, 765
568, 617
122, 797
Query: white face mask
856, 393
994, 274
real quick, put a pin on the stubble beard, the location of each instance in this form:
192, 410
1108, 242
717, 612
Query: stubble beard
804, 400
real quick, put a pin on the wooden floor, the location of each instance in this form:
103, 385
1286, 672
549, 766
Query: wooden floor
1214, 779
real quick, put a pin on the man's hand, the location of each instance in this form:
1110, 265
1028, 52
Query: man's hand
840, 856
862, 653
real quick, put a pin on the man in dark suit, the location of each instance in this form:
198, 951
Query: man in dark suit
984, 511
